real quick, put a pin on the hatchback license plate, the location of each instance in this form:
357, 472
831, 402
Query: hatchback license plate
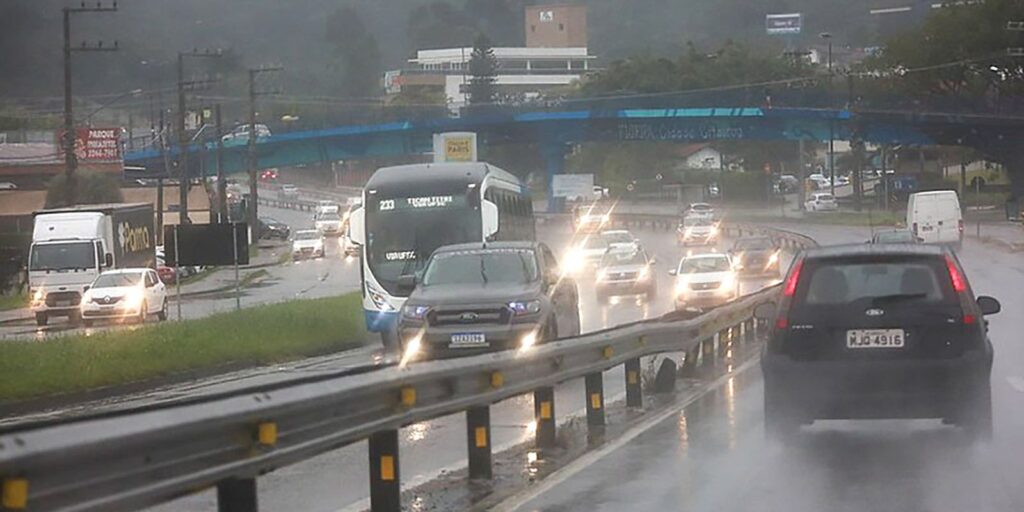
875, 338
475, 339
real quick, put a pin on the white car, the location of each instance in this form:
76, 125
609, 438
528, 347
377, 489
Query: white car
289, 191
621, 237
6, 185
308, 243
123, 294
697, 230
329, 223
821, 202
586, 255
704, 281
240, 135
935, 217
700, 210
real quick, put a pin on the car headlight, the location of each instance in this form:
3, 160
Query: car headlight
602, 274
728, 283
133, 299
414, 312
524, 307
682, 284
38, 296
713, 231
644, 273
573, 261
773, 259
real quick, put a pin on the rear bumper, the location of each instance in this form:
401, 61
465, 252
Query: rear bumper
872, 389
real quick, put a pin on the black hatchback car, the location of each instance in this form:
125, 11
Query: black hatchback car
481, 297
877, 331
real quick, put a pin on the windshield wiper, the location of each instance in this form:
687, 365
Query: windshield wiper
897, 297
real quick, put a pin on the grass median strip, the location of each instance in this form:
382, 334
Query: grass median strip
259, 335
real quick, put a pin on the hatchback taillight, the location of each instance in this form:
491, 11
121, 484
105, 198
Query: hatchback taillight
788, 291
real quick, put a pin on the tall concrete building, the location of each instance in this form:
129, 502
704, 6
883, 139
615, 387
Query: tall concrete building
556, 26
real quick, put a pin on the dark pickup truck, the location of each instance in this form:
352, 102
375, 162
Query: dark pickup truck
482, 297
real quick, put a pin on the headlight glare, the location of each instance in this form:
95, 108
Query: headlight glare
521, 308
413, 311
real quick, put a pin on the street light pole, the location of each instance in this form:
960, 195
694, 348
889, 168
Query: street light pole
252, 160
831, 123
183, 174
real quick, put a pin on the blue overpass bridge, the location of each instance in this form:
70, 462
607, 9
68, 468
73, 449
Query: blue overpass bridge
554, 131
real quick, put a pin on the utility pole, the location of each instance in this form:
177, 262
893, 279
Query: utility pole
183, 174
222, 186
831, 123
160, 180
253, 179
68, 141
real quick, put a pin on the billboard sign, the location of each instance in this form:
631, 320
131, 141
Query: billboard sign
96, 145
572, 186
781, 24
455, 147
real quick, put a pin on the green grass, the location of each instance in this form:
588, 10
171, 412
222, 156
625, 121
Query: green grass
8, 302
259, 335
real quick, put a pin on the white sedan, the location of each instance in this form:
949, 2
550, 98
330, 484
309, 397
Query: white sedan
821, 203
704, 281
125, 294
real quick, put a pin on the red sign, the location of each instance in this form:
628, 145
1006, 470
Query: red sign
96, 145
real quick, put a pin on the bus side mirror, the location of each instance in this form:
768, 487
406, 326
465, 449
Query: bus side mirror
489, 215
108, 260
357, 226
407, 282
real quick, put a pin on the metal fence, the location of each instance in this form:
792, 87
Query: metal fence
135, 459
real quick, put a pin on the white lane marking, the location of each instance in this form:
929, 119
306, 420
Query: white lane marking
518, 500
422, 478
1017, 383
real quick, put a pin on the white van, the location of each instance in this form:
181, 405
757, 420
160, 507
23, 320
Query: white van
934, 217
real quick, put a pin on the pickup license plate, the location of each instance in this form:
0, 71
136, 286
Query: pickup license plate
875, 338
476, 339
62, 303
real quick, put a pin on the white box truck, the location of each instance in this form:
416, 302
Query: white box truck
71, 246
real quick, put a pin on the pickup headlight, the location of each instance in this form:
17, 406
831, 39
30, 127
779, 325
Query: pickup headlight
414, 312
644, 273
682, 284
524, 307
602, 274
38, 296
728, 283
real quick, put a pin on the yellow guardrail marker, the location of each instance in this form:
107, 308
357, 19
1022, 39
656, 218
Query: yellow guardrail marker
15, 493
408, 396
497, 380
387, 468
608, 352
595, 400
481, 437
545, 410
631, 377
266, 433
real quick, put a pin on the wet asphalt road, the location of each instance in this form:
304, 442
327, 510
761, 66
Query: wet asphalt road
338, 480
713, 455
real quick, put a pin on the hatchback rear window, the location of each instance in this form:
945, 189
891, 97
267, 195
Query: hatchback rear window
907, 280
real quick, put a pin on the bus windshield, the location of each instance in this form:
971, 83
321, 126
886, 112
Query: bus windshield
401, 233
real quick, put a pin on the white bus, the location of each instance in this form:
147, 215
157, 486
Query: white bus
409, 211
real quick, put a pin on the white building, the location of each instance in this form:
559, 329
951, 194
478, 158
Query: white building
522, 72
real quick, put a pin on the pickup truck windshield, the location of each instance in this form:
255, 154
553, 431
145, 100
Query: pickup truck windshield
482, 267
62, 256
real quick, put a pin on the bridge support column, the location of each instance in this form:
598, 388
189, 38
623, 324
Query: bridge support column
544, 416
237, 495
385, 487
478, 436
634, 391
554, 163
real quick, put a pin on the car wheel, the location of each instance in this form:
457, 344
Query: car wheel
42, 319
780, 422
87, 323
162, 314
75, 318
976, 413
142, 312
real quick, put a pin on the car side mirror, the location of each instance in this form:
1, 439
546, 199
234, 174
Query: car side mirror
653, 262
108, 260
765, 311
407, 282
988, 305
672, 272
86, 288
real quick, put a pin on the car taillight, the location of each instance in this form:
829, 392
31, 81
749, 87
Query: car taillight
959, 285
794, 277
788, 291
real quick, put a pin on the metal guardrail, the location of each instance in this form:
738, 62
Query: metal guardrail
136, 459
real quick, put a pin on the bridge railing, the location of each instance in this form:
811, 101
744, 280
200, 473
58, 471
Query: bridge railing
135, 459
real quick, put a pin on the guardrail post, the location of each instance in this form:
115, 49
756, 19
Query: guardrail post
237, 495
634, 392
544, 415
690, 363
478, 436
595, 399
708, 351
724, 342
385, 489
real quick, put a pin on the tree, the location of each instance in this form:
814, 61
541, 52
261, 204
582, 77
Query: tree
357, 53
91, 188
483, 70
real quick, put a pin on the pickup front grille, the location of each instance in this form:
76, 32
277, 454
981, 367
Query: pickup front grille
71, 298
705, 286
468, 316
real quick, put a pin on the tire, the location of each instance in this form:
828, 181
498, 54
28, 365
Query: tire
87, 323
75, 318
162, 314
976, 413
42, 319
142, 312
780, 422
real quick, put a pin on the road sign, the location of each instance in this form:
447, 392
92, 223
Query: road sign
455, 147
777, 24
575, 186
96, 145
